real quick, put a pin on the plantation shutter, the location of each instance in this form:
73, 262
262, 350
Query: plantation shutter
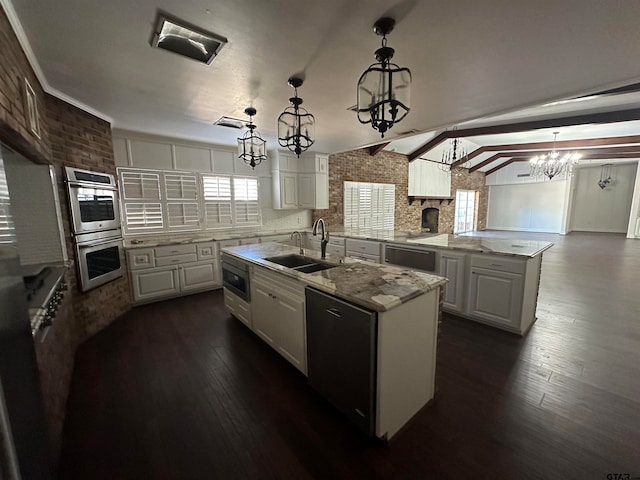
141, 196
182, 201
7, 228
369, 205
245, 194
217, 201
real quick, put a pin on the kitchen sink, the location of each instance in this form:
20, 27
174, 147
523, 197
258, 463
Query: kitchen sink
300, 263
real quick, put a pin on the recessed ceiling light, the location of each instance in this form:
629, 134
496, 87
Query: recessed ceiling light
229, 122
180, 37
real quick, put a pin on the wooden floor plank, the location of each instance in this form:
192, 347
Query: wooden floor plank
181, 390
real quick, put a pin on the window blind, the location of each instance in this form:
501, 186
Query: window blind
369, 205
7, 227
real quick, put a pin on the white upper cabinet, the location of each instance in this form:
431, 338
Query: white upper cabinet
300, 182
427, 179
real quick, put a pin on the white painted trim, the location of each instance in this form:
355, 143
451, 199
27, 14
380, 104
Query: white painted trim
33, 61
633, 230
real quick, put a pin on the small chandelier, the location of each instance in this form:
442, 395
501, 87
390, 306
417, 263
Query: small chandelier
455, 157
251, 147
552, 163
605, 176
296, 126
383, 89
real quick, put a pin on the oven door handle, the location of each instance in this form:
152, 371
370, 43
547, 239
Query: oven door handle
98, 244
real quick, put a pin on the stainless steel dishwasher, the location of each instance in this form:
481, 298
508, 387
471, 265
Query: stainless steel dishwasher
417, 258
341, 355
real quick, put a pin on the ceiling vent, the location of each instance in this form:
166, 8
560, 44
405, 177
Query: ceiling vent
180, 37
229, 122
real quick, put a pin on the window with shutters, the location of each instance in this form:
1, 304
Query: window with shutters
247, 208
369, 205
7, 228
181, 193
141, 201
156, 201
217, 201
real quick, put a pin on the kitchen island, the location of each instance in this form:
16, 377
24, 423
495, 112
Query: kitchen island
491, 280
403, 303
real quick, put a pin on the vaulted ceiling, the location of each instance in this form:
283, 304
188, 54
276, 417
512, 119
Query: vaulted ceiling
470, 61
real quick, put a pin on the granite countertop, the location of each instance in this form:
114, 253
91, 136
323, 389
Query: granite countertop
472, 244
147, 241
371, 285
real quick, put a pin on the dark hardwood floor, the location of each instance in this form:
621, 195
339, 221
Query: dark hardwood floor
181, 390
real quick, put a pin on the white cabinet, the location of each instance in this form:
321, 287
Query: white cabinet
285, 190
238, 307
300, 182
279, 316
169, 271
154, 283
363, 249
452, 267
495, 296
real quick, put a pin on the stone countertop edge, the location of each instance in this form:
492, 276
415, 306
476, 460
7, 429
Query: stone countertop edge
463, 243
371, 285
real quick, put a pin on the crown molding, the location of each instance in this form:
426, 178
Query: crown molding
35, 66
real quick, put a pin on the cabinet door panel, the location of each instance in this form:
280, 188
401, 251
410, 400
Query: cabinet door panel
155, 283
495, 296
289, 190
264, 322
291, 331
306, 190
452, 267
193, 277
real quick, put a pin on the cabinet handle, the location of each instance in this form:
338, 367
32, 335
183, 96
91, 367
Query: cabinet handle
496, 264
334, 312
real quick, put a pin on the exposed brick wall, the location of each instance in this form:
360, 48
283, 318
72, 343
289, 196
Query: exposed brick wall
68, 136
391, 167
82, 140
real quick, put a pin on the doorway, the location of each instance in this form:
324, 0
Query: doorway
465, 211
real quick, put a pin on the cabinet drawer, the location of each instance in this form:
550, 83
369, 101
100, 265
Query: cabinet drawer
501, 264
206, 251
336, 240
176, 259
140, 258
335, 250
363, 246
174, 250
364, 256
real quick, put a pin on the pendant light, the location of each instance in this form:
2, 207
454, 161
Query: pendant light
552, 163
251, 147
383, 89
296, 126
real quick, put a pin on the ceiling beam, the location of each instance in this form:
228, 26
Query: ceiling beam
493, 158
374, 149
593, 118
502, 165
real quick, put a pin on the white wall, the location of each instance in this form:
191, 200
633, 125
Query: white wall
603, 210
528, 207
633, 231
133, 149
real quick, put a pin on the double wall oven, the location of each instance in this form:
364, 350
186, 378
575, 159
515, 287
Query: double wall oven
95, 219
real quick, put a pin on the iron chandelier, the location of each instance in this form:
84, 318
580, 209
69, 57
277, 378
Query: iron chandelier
251, 147
383, 89
296, 126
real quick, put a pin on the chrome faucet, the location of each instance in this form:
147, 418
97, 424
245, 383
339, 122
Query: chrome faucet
299, 241
324, 236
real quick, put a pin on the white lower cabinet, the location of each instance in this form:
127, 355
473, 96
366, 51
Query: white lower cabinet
237, 307
495, 296
169, 271
452, 267
154, 283
278, 315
